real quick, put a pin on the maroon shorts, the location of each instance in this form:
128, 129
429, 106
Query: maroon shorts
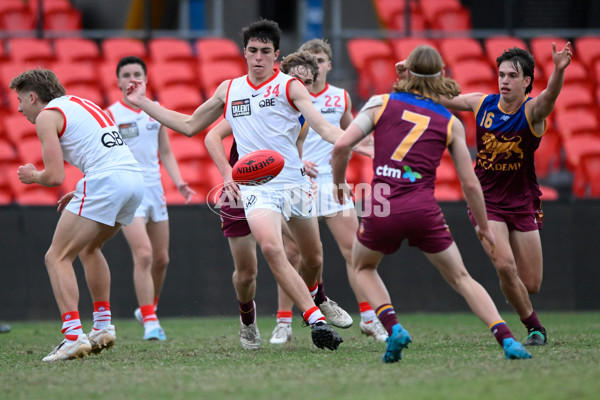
522, 219
425, 229
233, 221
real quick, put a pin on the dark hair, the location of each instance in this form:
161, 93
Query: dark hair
42, 82
425, 75
300, 59
131, 60
264, 30
519, 57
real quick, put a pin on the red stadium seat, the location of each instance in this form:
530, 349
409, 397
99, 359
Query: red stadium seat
50, 5
455, 50
403, 46
17, 128
16, 17
541, 48
7, 152
213, 73
471, 72
63, 20
362, 50
32, 51
382, 74
447, 184
468, 120
575, 97
495, 46
578, 146
392, 14
77, 50
184, 99
167, 74
189, 149
6, 193
452, 20
576, 73
575, 122
548, 154
116, 48
587, 49
30, 151
432, 8
170, 49
72, 73
586, 179
218, 49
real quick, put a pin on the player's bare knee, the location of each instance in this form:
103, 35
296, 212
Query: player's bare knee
143, 259
533, 286
244, 278
161, 261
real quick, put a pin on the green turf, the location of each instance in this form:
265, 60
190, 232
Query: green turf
453, 356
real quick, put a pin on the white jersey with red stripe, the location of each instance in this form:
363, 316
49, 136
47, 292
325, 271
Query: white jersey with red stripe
331, 103
263, 117
140, 132
90, 140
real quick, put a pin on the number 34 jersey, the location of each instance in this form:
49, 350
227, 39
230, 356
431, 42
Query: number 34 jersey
90, 140
263, 117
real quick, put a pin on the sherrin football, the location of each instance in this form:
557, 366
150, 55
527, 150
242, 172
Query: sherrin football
257, 167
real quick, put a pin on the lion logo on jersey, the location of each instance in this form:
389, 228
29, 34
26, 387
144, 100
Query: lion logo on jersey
494, 147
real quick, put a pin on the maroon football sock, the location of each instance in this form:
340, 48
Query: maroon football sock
247, 312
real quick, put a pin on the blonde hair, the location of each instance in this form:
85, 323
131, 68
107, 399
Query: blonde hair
317, 46
425, 75
42, 82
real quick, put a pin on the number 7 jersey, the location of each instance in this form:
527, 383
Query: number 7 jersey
411, 134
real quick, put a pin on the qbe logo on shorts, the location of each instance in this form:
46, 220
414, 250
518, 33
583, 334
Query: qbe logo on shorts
240, 108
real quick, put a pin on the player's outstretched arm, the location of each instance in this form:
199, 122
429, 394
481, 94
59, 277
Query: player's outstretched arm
541, 106
188, 125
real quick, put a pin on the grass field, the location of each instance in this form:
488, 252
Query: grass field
453, 357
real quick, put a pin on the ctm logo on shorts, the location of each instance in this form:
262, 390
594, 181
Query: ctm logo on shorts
240, 108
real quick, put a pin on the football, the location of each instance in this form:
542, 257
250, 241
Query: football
257, 167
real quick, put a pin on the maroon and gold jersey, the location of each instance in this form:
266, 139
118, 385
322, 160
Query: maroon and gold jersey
505, 146
411, 134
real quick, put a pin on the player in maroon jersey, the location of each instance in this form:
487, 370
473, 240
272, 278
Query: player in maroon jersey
510, 126
411, 131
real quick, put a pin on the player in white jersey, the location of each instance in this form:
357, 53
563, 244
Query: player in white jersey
148, 235
261, 48
303, 66
336, 107
79, 132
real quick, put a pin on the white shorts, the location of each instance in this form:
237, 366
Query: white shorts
154, 205
108, 197
291, 202
327, 205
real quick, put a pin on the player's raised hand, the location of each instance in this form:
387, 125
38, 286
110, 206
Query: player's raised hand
401, 69
562, 58
136, 91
